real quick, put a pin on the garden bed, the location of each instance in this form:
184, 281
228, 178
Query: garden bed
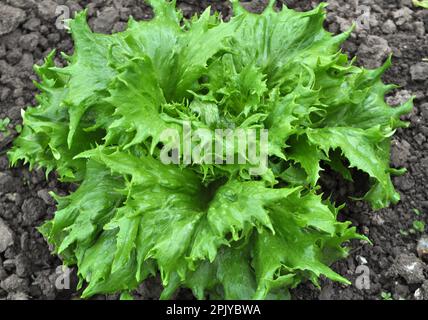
29, 31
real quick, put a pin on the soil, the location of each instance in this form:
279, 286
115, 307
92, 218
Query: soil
28, 31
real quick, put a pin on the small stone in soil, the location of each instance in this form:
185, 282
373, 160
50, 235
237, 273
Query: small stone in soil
422, 292
389, 27
424, 111
401, 291
18, 296
10, 18
3, 273
47, 9
402, 16
14, 283
361, 260
422, 248
21, 265
29, 41
7, 183
106, 20
420, 138
33, 24
424, 163
45, 196
409, 267
373, 51
33, 209
9, 264
404, 183
400, 152
399, 98
6, 236
419, 72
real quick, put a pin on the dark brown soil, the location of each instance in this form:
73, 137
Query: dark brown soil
28, 32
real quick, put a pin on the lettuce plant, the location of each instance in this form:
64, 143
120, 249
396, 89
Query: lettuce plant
213, 228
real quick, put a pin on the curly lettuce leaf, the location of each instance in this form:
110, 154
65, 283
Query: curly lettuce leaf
422, 4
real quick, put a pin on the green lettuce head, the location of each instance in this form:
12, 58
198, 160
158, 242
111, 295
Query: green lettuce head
212, 227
